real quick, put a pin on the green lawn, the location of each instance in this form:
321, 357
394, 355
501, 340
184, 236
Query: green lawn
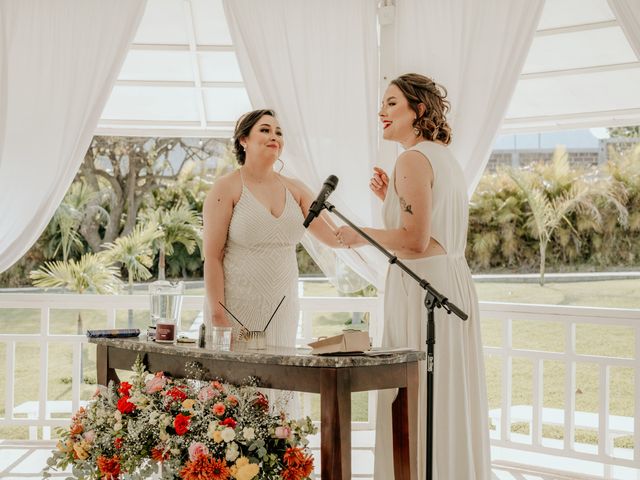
548, 336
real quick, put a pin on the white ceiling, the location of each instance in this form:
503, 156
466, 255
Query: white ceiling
181, 76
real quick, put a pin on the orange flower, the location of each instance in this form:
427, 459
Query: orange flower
109, 467
217, 385
79, 415
218, 409
293, 456
307, 466
159, 455
292, 473
299, 463
205, 467
76, 429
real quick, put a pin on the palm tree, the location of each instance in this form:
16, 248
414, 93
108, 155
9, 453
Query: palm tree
179, 225
496, 233
92, 272
135, 252
552, 194
64, 228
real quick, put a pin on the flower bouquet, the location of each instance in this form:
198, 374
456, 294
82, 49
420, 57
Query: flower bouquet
182, 429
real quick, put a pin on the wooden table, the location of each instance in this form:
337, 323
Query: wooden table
334, 378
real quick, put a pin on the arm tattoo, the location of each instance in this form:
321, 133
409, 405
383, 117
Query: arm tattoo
405, 206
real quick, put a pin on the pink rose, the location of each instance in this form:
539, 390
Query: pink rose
196, 449
206, 393
89, 436
156, 384
219, 409
283, 432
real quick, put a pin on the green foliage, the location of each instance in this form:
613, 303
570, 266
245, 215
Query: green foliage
306, 264
554, 192
134, 251
588, 219
553, 213
629, 131
63, 231
179, 225
92, 272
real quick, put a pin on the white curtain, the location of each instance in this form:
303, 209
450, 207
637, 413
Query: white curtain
59, 60
476, 50
627, 13
316, 63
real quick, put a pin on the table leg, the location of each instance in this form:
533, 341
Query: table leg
104, 372
404, 413
335, 424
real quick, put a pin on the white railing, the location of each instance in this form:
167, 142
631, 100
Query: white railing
39, 412
607, 426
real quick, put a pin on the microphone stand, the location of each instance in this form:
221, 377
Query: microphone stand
432, 300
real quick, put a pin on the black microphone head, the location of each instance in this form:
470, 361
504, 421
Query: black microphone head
331, 180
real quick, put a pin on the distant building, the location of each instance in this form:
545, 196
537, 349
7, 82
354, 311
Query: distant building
586, 148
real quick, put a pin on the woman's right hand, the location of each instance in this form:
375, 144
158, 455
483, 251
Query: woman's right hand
379, 183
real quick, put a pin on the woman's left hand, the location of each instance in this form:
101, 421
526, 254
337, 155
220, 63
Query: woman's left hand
348, 237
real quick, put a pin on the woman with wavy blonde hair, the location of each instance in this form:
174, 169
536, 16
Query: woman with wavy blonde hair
425, 212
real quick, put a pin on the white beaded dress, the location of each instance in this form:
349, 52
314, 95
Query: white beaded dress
260, 267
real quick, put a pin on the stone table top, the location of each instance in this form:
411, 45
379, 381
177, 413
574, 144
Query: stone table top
301, 357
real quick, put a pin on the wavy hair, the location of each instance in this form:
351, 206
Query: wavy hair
418, 89
243, 127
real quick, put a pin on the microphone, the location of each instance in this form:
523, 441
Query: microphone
318, 204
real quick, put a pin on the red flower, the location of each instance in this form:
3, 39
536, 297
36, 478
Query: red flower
117, 443
181, 423
177, 394
229, 422
262, 402
109, 467
125, 405
159, 455
205, 467
124, 388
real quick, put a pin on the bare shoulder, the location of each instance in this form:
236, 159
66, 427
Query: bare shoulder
295, 186
415, 165
226, 188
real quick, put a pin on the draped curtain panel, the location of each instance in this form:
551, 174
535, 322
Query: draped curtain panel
476, 50
316, 63
627, 13
59, 61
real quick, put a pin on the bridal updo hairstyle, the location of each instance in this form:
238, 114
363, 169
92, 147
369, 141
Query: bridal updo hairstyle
243, 127
420, 89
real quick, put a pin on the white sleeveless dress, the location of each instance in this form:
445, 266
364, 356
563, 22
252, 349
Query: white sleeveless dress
461, 431
260, 267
